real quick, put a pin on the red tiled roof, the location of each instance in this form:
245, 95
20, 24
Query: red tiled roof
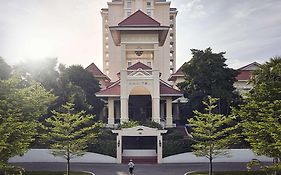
114, 90
178, 73
244, 75
139, 18
245, 72
95, 71
251, 66
167, 90
139, 65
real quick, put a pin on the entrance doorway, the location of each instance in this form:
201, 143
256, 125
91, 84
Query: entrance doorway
141, 149
140, 107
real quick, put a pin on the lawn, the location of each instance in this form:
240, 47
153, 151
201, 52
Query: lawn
53, 173
233, 173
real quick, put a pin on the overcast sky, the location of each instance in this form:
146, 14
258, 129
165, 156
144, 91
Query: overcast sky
247, 30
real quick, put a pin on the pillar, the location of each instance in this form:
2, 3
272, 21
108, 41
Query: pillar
110, 120
119, 148
156, 86
156, 109
169, 115
124, 110
160, 149
123, 85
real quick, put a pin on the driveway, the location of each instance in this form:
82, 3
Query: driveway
140, 169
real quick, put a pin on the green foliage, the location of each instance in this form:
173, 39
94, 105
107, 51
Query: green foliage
22, 102
261, 113
234, 173
11, 169
54, 173
212, 132
129, 124
78, 86
70, 132
207, 74
175, 142
5, 70
71, 84
43, 71
147, 123
104, 144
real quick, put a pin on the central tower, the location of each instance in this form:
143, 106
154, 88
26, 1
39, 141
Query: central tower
160, 11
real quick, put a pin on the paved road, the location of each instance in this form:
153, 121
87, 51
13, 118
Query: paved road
140, 169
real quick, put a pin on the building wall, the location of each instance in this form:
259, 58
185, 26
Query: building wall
117, 11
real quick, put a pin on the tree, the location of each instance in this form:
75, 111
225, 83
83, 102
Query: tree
261, 112
43, 71
76, 76
22, 102
207, 74
69, 132
71, 84
212, 133
5, 70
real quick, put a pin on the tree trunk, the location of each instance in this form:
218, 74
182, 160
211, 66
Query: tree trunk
68, 166
211, 167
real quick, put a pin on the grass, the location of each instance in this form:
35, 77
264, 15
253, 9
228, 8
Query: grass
53, 173
233, 173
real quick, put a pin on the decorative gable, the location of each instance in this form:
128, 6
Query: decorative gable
139, 18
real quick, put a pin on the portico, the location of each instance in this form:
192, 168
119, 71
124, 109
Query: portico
151, 149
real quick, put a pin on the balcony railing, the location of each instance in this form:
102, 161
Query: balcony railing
139, 73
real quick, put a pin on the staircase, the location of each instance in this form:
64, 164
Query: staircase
145, 156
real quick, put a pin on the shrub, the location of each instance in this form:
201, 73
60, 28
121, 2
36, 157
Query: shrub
104, 144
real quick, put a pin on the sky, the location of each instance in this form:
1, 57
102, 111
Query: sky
70, 30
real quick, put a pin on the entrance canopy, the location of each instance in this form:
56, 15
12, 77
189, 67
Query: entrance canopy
139, 131
152, 137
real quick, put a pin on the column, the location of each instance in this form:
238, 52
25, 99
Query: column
156, 109
110, 120
160, 148
169, 115
123, 85
124, 110
156, 86
119, 148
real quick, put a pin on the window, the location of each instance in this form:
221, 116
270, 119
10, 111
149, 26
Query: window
148, 4
107, 72
129, 4
106, 46
129, 63
128, 13
171, 17
149, 63
106, 37
149, 13
106, 63
171, 63
107, 55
